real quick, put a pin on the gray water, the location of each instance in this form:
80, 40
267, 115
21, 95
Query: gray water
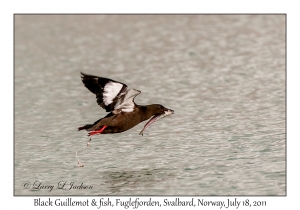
223, 75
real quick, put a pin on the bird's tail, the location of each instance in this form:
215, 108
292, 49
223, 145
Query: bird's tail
87, 126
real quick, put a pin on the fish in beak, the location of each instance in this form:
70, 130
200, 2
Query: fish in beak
156, 117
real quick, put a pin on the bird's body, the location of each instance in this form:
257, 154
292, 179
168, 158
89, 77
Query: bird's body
123, 121
118, 100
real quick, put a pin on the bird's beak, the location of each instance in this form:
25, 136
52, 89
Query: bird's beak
168, 112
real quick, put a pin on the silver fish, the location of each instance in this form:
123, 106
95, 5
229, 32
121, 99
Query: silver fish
155, 118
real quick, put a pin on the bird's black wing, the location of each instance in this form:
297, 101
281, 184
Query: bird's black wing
111, 95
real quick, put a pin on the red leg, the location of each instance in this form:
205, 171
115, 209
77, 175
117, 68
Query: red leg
97, 131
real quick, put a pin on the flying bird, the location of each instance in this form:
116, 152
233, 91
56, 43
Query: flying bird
117, 99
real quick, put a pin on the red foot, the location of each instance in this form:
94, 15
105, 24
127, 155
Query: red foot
97, 131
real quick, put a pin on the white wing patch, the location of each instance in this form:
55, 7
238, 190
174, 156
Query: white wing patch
111, 90
127, 104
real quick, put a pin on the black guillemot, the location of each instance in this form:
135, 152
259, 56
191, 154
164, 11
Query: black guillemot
118, 100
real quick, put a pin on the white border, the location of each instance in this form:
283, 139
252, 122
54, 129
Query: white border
8, 8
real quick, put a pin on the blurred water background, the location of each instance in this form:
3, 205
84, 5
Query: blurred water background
224, 75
